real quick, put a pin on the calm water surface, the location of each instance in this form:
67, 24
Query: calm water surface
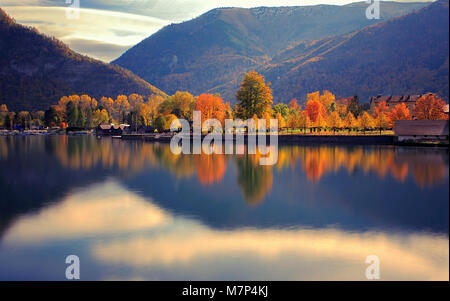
133, 210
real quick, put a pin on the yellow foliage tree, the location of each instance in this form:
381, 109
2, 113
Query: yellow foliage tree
121, 107
350, 121
172, 118
365, 121
100, 117
334, 121
382, 121
304, 122
281, 121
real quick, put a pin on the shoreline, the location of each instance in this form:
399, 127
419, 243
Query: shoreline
283, 139
298, 139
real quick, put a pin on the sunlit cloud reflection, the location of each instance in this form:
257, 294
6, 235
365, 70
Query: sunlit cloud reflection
154, 239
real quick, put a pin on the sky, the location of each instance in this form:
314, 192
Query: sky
104, 29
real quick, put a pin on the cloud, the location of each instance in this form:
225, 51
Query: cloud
103, 51
105, 34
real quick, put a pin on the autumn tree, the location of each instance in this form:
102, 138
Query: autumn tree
314, 109
86, 102
211, 107
281, 108
100, 117
108, 104
350, 121
381, 108
430, 107
334, 121
399, 112
153, 103
121, 108
181, 104
328, 100
171, 118
304, 122
281, 121
293, 120
365, 121
254, 97
382, 121
342, 106
135, 100
321, 122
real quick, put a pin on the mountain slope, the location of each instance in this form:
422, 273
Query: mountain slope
211, 52
36, 70
408, 54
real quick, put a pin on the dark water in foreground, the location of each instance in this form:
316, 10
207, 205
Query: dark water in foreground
133, 210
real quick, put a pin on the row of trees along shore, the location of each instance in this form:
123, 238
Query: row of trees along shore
321, 113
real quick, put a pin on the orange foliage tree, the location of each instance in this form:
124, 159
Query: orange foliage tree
400, 112
381, 108
430, 107
210, 107
314, 109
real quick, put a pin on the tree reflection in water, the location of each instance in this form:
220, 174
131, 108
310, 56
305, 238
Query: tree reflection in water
427, 167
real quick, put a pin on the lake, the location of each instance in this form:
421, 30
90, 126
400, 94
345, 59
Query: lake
134, 211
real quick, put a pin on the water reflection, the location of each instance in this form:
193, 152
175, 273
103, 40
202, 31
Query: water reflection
97, 210
140, 240
426, 167
134, 210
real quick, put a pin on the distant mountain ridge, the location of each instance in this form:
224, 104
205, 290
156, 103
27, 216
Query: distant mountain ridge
36, 70
404, 55
211, 53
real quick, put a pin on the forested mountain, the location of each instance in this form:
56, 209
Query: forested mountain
404, 55
211, 52
36, 70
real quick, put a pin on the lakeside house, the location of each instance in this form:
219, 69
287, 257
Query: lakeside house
112, 129
421, 130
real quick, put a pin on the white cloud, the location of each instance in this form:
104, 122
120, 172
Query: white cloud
94, 32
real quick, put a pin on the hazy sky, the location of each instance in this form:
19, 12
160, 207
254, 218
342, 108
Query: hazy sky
106, 28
